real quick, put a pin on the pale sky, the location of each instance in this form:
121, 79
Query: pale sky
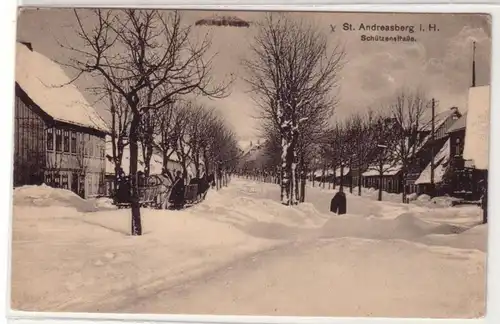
439, 62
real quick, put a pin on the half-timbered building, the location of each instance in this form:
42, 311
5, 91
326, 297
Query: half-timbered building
59, 138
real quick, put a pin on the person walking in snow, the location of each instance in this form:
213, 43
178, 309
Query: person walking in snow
177, 195
338, 204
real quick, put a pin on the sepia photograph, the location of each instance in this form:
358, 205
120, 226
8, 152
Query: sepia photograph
196, 162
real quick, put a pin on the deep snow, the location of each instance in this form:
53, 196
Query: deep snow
242, 252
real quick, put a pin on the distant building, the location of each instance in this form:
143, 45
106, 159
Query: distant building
391, 177
424, 148
470, 151
419, 179
59, 137
476, 145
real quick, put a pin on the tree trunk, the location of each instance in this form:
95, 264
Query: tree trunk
298, 177
205, 160
134, 150
381, 177
286, 168
196, 162
334, 177
359, 181
323, 176
147, 155
402, 185
341, 176
350, 177
303, 179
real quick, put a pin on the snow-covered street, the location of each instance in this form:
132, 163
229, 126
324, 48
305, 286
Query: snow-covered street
242, 252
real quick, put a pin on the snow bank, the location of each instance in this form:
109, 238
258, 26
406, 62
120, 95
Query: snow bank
412, 197
424, 197
406, 227
45, 196
474, 238
87, 262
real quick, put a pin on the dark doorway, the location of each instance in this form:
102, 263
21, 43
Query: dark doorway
74, 182
81, 185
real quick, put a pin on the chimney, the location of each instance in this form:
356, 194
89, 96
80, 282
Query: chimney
28, 45
455, 112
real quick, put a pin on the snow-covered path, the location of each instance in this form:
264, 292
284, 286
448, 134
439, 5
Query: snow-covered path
341, 277
242, 252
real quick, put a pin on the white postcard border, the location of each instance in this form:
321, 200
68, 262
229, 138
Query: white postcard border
8, 28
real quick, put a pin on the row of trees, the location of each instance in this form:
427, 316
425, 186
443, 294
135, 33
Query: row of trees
382, 141
147, 63
294, 74
196, 135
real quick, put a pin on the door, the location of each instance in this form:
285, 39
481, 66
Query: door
74, 182
81, 185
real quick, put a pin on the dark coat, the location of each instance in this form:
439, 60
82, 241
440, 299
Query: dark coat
177, 194
338, 204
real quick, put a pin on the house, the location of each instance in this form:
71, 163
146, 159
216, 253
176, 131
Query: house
457, 136
390, 180
470, 163
476, 144
457, 178
440, 164
420, 178
59, 137
334, 177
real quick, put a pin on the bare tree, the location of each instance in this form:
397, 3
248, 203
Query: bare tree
148, 129
362, 143
408, 110
222, 151
293, 75
171, 119
199, 122
384, 137
120, 127
183, 149
149, 58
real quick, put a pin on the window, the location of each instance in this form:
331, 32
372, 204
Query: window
50, 139
458, 150
96, 183
91, 146
86, 144
73, 142
66, 141
58, 140
48, 178
64, 181
80, 145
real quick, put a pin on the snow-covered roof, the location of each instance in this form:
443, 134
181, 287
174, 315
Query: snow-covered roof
460, 124
441, 160
46, 83
319, 172
476, 146
439, 120
388, 170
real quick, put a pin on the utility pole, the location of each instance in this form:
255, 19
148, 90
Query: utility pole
433, 109
473, 64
